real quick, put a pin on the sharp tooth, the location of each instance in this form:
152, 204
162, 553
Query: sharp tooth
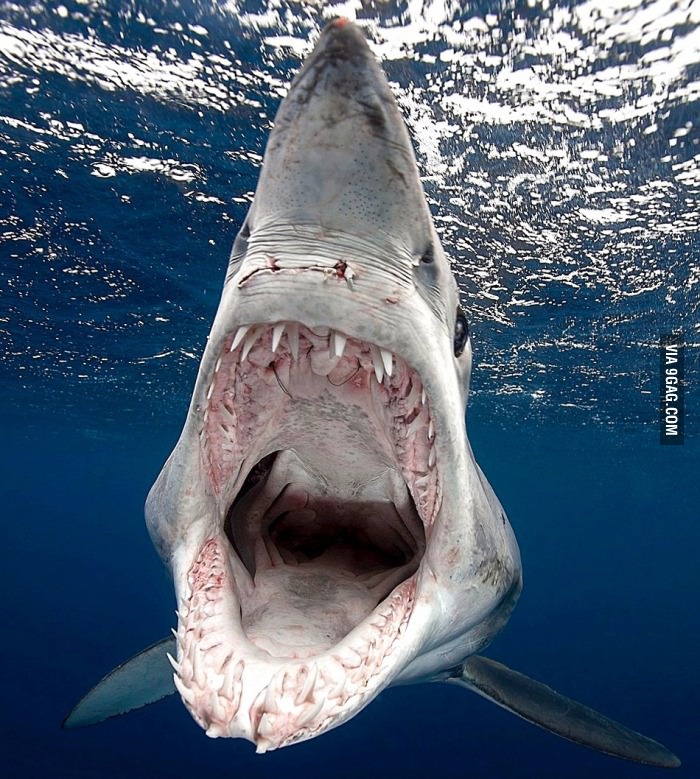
350, 659
173, 662
349, 276
337, 344
411, 399
421, 482
221, 676
249, 343
217, 366
271, 695
431, 458
422, 395
216, 731
277, 331
293, 336
417, 424
311, 675
232, 675
240, 335
210, 390
431, 430
187, 695
284, 683
186, 668
311, 714
387, 359
266, 729
217, 708
198, 672
227, 684
377, 362
379, 622
337, 690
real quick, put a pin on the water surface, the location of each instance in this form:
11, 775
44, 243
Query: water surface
560, 151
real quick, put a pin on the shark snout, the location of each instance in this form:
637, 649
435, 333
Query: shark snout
344, 38
344, 74
340, 41
339, 155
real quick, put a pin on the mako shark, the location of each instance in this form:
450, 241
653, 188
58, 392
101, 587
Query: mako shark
327, 528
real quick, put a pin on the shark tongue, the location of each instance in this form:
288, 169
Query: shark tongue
304, 612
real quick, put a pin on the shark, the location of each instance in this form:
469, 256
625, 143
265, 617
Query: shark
327, 528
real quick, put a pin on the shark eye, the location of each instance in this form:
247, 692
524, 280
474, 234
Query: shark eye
428, 255
461, 332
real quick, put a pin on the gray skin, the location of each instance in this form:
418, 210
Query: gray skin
339, 183
340, 235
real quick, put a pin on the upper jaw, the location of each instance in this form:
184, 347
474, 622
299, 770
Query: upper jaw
362, 287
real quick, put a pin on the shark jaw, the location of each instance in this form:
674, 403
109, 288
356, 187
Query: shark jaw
291, 614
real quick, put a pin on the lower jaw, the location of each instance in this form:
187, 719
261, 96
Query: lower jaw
234, 689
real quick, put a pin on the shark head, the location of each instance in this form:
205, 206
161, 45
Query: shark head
328, 530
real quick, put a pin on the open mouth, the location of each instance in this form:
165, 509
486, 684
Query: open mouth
320, 449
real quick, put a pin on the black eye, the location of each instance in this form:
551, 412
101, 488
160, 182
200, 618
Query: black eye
461, 332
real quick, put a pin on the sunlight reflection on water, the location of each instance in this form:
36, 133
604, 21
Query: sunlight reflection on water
559, 148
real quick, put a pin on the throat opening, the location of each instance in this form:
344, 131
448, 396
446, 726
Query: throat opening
319, 561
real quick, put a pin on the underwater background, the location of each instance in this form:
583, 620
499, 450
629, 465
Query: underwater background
559, 145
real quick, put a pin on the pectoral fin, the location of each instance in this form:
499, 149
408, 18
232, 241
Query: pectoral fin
145, 678
546, 708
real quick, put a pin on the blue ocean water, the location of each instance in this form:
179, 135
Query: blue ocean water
561, 156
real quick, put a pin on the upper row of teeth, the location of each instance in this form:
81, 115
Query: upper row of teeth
382, 359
